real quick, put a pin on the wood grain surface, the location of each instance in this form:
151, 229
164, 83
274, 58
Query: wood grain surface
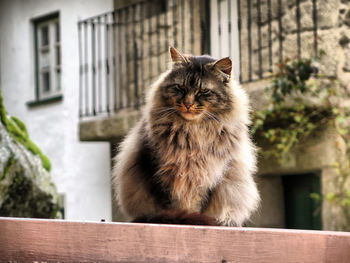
64, 241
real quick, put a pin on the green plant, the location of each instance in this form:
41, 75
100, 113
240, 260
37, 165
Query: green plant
301, 101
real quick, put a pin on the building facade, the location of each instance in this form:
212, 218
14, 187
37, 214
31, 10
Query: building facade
39, 81
257, 35
111, 54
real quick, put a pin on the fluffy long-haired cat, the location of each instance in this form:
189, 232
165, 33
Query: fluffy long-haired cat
190, 156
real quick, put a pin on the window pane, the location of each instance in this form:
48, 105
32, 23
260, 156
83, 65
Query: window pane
58, 79
48, 52
45, 81
58, 55
44, 59
57, 30
44, 36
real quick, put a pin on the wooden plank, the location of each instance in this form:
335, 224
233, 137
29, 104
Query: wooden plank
57, 240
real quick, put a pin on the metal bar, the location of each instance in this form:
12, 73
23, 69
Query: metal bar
249, 39
201, 29
191, 26
142, 30
80, 72
174, 24
166, 42
269, 33
183, 25
314, 17
280, 30
229, 27
115, 70
93, 67
239, 38
219, 24
87, 102
258, 6
118, 24
127, 58
158, 42
135, 52
207, 25
136, 94
107, 77
298, 27
99, 58
150, 41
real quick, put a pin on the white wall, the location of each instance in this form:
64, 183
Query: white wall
80, 170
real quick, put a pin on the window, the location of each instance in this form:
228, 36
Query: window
47, 44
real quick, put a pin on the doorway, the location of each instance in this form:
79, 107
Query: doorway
301, 211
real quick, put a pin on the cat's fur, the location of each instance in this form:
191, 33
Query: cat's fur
199, 159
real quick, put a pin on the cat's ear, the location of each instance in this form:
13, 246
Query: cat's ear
176, 56
224, 65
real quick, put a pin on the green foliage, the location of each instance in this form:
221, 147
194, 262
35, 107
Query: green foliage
301, 101
18, 131
292, 78
340, 197
20, 125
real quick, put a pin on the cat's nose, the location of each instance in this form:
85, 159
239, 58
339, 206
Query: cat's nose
188, 105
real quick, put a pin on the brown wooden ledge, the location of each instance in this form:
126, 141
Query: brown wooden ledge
57, 240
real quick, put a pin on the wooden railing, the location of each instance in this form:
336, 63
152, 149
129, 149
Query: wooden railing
64, 241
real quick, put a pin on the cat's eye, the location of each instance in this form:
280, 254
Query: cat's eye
177, 88
205, 91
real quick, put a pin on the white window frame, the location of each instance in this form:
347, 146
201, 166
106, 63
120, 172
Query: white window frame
54, 57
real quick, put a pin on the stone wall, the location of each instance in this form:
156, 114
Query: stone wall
333, 35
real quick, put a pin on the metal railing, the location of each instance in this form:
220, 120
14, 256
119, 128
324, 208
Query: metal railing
124, 51
266, 40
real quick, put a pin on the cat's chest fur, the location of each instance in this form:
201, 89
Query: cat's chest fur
192, 160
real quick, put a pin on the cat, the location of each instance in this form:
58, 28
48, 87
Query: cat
191, 152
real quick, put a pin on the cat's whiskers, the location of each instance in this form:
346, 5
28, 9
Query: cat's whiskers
211, 116
168, 114
161, 110
165, 112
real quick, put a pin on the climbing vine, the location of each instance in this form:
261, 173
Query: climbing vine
301, 101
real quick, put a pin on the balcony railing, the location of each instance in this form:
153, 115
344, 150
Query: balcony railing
272, 30
124, 51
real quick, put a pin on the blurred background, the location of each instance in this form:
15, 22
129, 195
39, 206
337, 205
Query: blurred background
75, 73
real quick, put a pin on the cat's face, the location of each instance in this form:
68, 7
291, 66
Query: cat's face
198, 87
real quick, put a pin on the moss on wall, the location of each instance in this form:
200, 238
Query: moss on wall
7, 168
25, 199
17, 129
